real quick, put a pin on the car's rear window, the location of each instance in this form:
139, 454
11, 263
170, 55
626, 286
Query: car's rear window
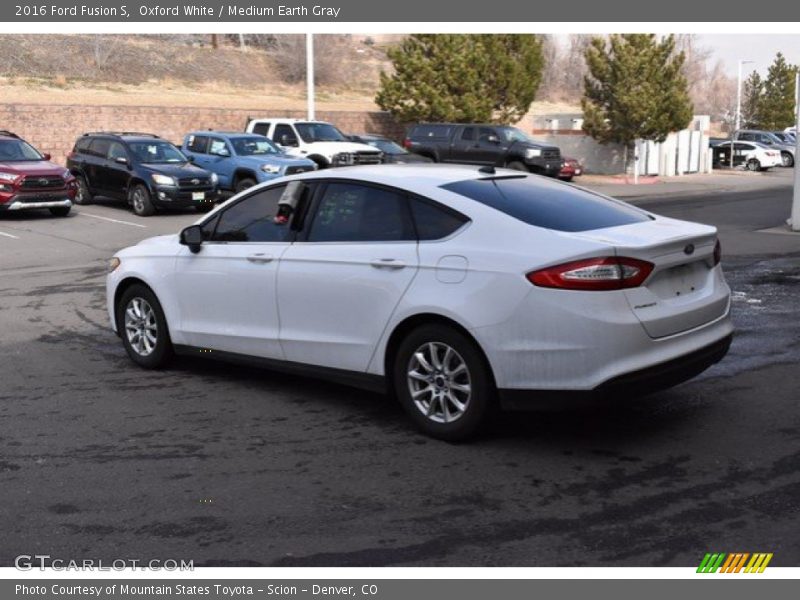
547, 204
430, 131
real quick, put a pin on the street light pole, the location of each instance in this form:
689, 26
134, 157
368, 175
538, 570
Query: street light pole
310, 75
794, 219
738, 117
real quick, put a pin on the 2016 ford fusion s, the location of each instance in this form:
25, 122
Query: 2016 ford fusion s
454, 288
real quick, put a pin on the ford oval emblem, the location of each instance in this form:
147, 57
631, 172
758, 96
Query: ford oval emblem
688, 249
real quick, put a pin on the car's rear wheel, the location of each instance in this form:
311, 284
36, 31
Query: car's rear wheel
517, 165
143, 327
787, 159
83, 195
753, 165
141, 202
60, 211
244, 183
443, 382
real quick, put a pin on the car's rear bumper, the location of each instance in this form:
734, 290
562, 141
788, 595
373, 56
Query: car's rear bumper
644, 381
16, 205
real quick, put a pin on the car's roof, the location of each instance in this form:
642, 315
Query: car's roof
372, 136
289, 120
228, 134
409, 176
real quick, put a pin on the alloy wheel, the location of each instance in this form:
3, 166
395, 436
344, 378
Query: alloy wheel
439, 382
141, 328
138, 200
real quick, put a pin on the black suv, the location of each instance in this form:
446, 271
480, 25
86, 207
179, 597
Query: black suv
483, 144
143, 169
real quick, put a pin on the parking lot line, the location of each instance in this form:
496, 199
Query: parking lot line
8, 235
85, 214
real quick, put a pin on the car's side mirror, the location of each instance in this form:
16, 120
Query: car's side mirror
190, 158
47, 156
493, 139
121, 160
192, 237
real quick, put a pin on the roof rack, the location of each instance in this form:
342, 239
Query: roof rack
8, 133
121, 133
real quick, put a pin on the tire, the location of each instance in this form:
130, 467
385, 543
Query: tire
567, 179
244, 183
204, 207
141, 202
140, 320
787, 159
753, 165
445, 412
84, 194
517, 166
60, 211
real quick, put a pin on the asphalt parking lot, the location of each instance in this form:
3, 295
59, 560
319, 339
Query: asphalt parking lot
234, 466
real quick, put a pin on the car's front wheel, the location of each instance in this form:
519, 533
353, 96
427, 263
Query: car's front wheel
244, 183
517, 165
443, 382
143, 327
83, 195
141, 202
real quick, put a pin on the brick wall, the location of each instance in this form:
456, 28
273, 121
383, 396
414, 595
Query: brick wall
53, 128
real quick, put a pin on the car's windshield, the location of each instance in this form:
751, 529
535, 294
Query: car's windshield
319, 132
387, 146
156, 152
17, 150
254, 146
512, 134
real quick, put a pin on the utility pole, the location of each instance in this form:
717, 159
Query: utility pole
310, 75
738, 116
794, 219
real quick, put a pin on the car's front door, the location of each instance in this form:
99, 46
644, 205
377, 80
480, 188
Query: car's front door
226, 291
220, 161
490, 148
338, 287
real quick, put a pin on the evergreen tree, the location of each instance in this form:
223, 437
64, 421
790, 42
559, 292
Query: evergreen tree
751, 98
776, 107
462, 78
635, 89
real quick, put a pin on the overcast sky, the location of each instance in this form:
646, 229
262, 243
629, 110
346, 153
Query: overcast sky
756, 47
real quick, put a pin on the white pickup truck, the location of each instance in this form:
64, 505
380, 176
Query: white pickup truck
319, 141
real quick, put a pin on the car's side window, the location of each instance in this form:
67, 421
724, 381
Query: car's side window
351, 212
197, 144
116, 151
284, 132
434, 221
253, 219
99, 147
486, 133
218, 147
468, 134
261, 129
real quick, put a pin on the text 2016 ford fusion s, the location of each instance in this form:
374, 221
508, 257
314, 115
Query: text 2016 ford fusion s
452, 287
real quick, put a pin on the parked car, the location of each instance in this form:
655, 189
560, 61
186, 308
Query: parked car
143, 169
570, 168
393, 153
241, 160
29, 181
785, 137
754, 156
497, 145
333, 274
767, 138
319, 141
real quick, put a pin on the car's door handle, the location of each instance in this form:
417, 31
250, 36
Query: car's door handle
388, 263
260, 258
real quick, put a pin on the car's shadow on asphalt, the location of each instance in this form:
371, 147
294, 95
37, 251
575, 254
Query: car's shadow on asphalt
616, 422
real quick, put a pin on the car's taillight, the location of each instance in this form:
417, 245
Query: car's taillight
717, 253
594, 274
406, 143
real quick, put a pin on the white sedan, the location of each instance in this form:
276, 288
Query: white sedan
454, 288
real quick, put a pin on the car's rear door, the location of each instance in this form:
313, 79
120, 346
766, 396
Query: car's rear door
339, 284
96, 167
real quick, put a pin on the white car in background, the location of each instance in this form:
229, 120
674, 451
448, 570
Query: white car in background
451, 287
755, 156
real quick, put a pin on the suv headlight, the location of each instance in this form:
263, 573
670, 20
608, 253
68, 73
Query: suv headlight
214, 179
113, 264
270, 169
66, 174
8, 176
533, 153
160, 179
